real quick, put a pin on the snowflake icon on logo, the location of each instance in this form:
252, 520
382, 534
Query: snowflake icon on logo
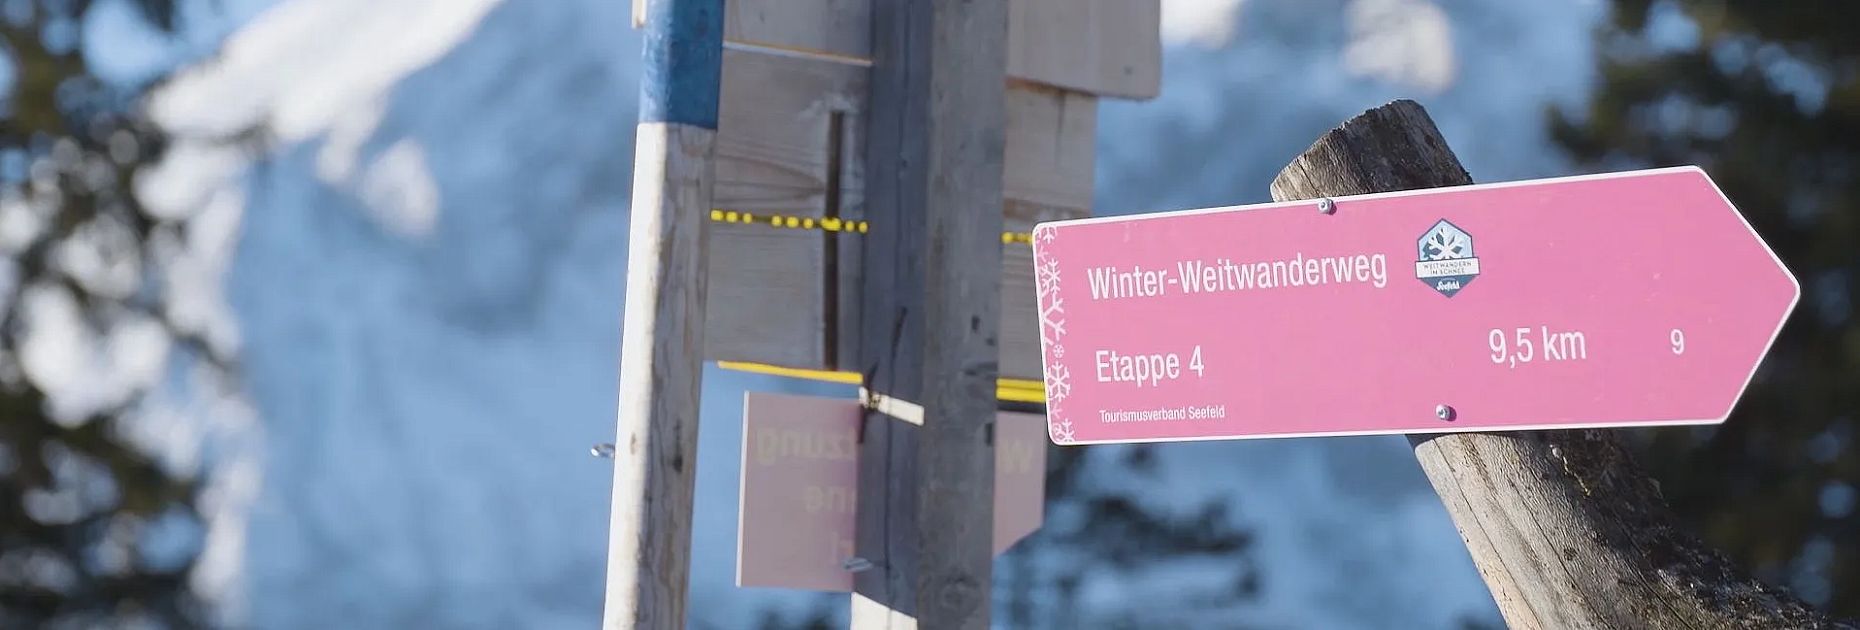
1444, 258
1446, 241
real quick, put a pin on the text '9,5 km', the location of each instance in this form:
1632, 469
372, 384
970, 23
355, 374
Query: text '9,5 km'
1541, 345
1525, 345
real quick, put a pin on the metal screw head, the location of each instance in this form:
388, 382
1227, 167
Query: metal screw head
1326, 206
1444, 412
603, 450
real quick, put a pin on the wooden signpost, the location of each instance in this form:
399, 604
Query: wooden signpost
655, 463
847, 189
791, 211
929, 312
843, 189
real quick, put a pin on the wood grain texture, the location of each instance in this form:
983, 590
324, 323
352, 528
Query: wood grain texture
774, 127
1048, 174
662, 342
774, 156
1564, 526
770, 286
930, 315
1102, 47
1050, 147
835, 27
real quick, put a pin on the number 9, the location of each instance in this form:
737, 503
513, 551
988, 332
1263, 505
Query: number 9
1678, 338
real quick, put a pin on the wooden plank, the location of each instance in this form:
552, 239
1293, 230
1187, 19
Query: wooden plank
931, 312
780, 118
775, 124
768, 288
833, 27
662, 335
1051, 144
774, 160
1102, 47
649, 546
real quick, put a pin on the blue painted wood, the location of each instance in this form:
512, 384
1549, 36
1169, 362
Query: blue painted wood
683, 62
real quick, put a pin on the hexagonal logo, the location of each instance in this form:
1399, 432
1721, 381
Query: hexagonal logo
1444, 258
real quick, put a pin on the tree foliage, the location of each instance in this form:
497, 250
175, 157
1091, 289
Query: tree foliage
94, 531
1093, 533
1765, 96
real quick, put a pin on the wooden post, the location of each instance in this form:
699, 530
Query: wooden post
1566, 529
662, 342
929, 315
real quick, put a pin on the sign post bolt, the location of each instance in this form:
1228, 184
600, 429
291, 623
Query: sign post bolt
1326, 206
1444, 412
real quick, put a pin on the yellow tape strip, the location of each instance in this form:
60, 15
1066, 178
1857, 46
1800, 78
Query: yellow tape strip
825, 224
1008, 389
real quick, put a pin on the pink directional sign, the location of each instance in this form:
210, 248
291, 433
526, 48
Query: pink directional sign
1639, 298
801, 482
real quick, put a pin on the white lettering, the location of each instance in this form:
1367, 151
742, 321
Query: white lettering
1144, 370
1110, 283
1222, 275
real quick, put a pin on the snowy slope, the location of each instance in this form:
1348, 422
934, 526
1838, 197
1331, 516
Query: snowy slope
427, 272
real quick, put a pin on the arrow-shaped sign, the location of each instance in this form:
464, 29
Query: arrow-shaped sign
1626, 299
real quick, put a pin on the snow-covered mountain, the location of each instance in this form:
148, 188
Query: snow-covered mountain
422, 268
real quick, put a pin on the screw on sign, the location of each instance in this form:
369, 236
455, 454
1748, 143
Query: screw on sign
1624, 299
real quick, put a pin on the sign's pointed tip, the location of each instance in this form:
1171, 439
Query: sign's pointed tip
1795, 284
1795, 291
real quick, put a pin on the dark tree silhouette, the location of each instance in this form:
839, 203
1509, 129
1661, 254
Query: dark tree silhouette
1766, 97
78, 501
1093, 531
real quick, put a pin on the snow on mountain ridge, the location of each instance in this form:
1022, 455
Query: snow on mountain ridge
285, 72
1208, 23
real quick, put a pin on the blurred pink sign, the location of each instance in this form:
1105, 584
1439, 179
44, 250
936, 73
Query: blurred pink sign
800, 487
1625, 299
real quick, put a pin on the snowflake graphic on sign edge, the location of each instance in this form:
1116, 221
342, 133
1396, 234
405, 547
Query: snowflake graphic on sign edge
1052, 329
